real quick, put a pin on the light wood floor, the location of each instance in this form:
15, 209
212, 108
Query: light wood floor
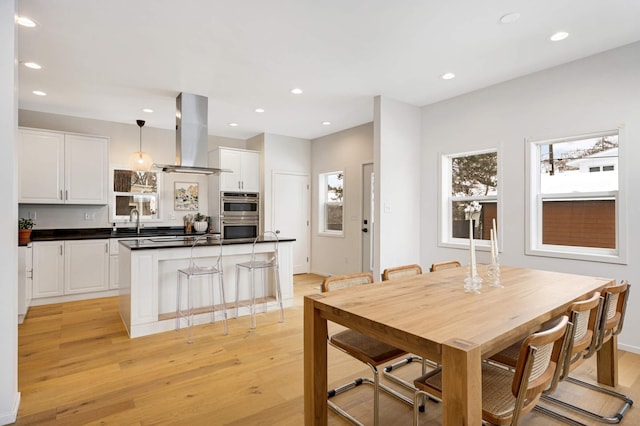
78, 366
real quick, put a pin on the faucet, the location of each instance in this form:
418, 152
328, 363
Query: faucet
137, 213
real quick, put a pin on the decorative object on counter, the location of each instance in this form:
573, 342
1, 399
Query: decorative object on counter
185, 195
188, 223
24, 230
140, 161
200, 222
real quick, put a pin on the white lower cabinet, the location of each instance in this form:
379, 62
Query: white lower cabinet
70, 267
48, 268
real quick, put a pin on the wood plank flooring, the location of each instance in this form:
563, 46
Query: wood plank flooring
77, 366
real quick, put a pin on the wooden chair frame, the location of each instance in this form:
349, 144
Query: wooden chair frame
445, 265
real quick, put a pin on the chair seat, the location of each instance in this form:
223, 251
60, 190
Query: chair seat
497, 399
365, 348
257, 264
199, 270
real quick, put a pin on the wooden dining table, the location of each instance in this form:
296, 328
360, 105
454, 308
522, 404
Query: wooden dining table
431, 315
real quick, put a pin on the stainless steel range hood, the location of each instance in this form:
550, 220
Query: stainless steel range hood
191, 137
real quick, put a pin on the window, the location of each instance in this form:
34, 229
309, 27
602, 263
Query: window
135, 190
331, 203
469, 192
574, 199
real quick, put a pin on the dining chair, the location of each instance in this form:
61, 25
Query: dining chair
394, 273
366, 349
445, 265
401, 271
194, 271
610, 324
255, 265
509, 394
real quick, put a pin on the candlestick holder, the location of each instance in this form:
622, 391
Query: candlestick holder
473, 282
493, 273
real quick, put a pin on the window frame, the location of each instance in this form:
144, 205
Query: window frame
114, 194
534, 205
446, 200
323, 204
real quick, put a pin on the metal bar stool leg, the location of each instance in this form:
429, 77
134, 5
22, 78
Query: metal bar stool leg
224, 304
253, 298
178, 307
237, 289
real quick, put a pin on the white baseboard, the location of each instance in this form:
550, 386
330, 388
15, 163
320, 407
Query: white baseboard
10, 417
629, 348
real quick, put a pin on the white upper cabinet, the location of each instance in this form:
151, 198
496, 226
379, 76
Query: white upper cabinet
59, 168
245, 166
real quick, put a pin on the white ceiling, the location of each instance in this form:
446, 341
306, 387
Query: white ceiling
108, 59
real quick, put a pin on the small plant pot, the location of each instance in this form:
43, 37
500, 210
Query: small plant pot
200, 226
24, 236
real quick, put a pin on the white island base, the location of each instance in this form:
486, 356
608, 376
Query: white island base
148, 283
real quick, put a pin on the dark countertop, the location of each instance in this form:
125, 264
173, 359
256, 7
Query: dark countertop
187, 241
154, 237
99, 233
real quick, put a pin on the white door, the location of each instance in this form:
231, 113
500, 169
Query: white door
367, 217
291, 215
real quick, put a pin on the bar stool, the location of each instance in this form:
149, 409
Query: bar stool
196, 271
263, 266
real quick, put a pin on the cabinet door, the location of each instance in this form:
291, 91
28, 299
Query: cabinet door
48, 268
86, 169
40, 167
86, 266
250, 171
231, 159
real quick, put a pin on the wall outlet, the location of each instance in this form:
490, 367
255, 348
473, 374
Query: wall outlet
31, 215
172, 216
87, 216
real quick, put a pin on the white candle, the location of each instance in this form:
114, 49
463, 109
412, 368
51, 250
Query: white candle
493, 247
495, 235
472, 252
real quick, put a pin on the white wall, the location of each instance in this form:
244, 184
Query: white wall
9, 396
281, 154
597, 93
123, 140
397, 188
347, 150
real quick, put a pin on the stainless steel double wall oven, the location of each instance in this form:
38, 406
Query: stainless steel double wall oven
239, 214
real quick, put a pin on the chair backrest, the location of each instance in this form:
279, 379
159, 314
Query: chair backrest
585, 317
198, 240
346, 281
267, 236
401, 271
615, 307
539, 357
445, 265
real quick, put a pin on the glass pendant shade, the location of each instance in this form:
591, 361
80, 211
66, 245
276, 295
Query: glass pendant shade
140, 161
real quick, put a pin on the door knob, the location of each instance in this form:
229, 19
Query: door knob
365, 230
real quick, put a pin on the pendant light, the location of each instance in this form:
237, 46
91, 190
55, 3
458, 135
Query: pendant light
140, 161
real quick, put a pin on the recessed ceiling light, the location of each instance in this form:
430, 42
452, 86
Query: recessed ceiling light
39, 93
509, 18
326, 123
448, 76
260, 110
147, 110
233, 124
32, 65
25, 22
560, 35
296, 91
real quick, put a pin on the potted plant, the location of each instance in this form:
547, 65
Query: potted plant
201, 224
24, 230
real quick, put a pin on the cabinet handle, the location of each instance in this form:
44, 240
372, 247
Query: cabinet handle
61, 250
106, 248
61, 195
66, 194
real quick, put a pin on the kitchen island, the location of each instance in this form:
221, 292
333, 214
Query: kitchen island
148, 279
